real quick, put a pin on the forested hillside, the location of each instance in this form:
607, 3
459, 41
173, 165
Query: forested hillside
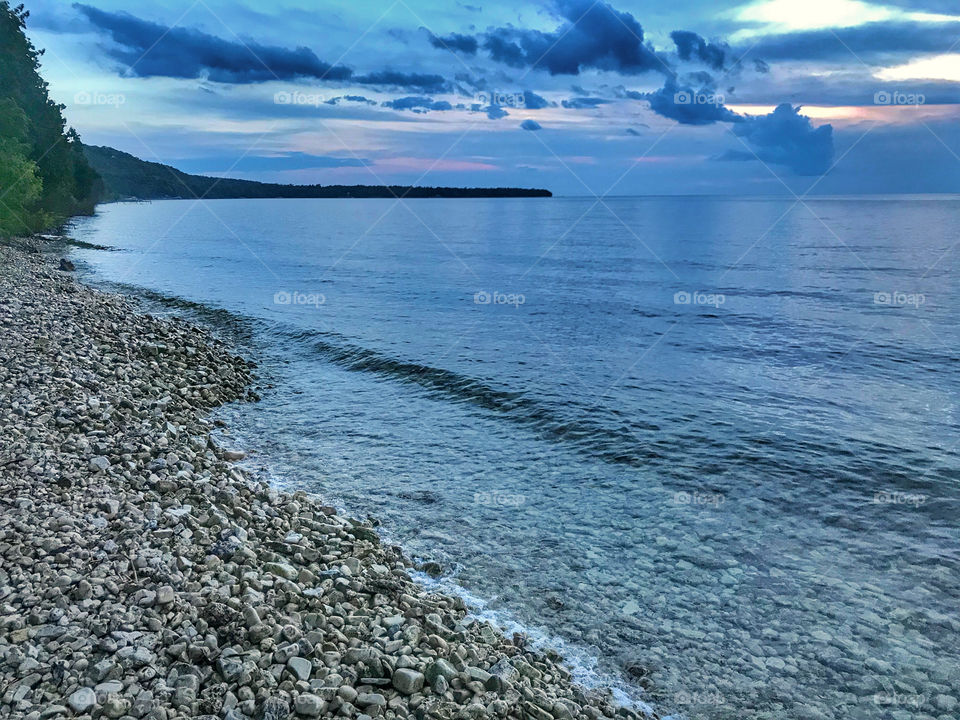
129, 178
44, 176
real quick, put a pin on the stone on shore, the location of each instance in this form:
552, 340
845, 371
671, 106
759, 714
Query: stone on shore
82, 700
407, 681
145, 577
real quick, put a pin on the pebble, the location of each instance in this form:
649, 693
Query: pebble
143, 577
82, 700
408, 681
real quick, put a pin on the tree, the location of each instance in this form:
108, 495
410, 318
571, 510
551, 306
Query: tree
44, 175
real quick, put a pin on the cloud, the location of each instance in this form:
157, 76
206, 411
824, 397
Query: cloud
270, 163
350, 98
417, 104
631, 131
624, 94
393, 78
785, 137
465, 44
495, 112
688, 106
592, 35
532, 101
691, 46
583, 103
871, 40
531, 125
151, 49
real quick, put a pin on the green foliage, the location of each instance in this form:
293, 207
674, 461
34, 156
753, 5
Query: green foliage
44, 176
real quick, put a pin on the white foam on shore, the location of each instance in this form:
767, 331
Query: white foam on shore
582, 663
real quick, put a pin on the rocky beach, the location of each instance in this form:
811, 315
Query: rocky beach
145, 575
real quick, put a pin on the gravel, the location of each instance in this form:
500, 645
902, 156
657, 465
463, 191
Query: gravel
142, 575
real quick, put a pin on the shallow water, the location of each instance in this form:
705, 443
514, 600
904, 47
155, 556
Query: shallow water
749, 500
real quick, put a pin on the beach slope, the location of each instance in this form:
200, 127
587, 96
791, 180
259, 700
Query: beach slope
144, 575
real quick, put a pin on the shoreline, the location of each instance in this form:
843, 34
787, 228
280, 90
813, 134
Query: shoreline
143, 574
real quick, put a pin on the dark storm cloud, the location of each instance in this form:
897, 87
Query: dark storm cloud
584, 103
495, 112
532, 101
393, 78
624, 94
151, 49
785, 137
688, 106
691, 46
592, 35
531, 125
466, 44
871, 40
350, 98
417, 104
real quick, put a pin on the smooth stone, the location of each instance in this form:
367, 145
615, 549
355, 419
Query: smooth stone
408, 681
368, 699
301, 667
281, 569
308, 705
82, 700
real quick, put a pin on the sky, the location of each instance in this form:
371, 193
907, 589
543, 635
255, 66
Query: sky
761, 97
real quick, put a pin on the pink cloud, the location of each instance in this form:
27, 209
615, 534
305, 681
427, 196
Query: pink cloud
429, 164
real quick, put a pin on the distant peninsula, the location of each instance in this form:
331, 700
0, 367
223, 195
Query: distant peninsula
126, 177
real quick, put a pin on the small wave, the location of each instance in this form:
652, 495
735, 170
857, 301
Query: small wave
583, 664
621, 444
216, 317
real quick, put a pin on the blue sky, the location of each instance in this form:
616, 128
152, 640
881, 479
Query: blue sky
585, 98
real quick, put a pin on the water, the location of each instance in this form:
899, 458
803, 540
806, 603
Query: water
745, 505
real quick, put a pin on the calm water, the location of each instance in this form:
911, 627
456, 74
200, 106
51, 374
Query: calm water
742, 505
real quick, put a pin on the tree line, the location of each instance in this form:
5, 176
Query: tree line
44, 176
